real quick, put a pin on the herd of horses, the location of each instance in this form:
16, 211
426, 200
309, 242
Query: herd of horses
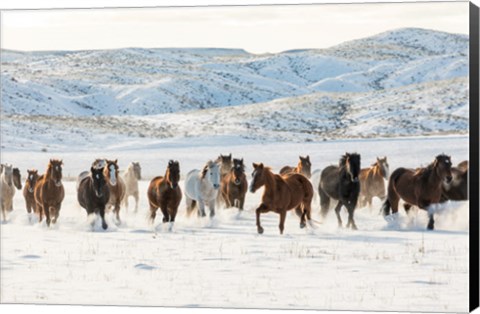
223, 181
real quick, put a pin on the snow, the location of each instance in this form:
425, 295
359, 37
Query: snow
401, 94
383, 266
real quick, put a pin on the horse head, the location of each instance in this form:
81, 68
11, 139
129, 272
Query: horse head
173, 174
32, 177
258, 177
382, 164
305, 166
54, 171
225, 162
17, 178
443, 167
7, 173
98, 180
351, 162
111, 171
238, 171
211, 172
137, 170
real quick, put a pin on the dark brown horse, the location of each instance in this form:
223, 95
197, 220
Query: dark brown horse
93, 193
304, 167
49, 192
234, 185
421, 187
165, 193
28, 191
457, 189
341, 183
282, 193
372, 182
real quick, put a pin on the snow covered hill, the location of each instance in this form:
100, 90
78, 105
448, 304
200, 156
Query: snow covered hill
137, 81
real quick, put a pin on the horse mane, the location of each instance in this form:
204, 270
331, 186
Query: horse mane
205, 169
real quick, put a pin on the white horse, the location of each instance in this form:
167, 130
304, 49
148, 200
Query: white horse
7, 189
202, 187
131, 177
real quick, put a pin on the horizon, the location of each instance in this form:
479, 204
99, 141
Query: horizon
255, 29
225, 48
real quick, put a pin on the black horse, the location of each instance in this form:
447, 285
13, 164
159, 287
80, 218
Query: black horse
341, 183
93, 193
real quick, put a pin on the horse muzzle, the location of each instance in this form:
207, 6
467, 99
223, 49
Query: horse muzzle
30, 190
237, 181
99, 194
173, 186
216, 186
58, 183
355, 179
448, 179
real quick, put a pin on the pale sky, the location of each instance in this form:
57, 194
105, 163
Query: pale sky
257, 29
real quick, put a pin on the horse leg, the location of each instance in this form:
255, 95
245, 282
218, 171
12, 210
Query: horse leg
190, 205
351, 222
201, 208
135, 195
57, 212
283, 215
241, 202
46, 211
302, 213
116, 209
211, 206
166, 216
261, 209
173, 213
4, 216
337, 212
102, 215
153, 213
431, 221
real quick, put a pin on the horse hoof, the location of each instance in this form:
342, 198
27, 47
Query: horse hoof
430, 227
354, 227
260, 230
302, 225
104, 226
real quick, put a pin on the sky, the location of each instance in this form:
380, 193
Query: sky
257, 29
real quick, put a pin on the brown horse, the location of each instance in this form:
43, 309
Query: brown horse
165, 193
372, 182
49, 192
421, 187
28, 191
116, 186
234, 185
282, 193
304, 167
457, 189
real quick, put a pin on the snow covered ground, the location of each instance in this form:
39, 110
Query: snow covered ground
383, 266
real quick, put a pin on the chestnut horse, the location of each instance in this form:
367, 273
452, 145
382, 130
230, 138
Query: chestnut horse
341, 183
457, 189
49, 192
234, 185
372, 182
165, 193
93, 193
28, 191
282, 193
304, 167
421, 187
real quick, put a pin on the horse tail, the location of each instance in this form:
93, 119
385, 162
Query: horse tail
324, 201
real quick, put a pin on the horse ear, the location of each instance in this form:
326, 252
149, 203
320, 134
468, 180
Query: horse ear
116, 161
308, 157
254, 165
260, 165
170, 162
230, 156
